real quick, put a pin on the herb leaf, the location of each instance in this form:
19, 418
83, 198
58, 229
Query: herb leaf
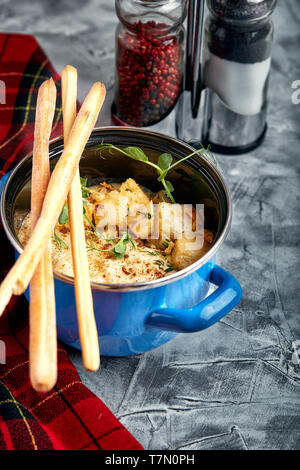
170, 268
159, 263
145, 214
64, 215
137, 154
120, 247
91, 223
60, 243
84, 189
164, 161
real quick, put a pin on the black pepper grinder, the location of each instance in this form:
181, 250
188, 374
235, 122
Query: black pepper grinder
235, 66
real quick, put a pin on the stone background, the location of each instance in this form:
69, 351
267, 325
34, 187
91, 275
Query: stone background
235, 385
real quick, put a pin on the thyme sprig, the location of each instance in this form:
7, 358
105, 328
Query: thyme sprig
152, 252
60, 243
170, 268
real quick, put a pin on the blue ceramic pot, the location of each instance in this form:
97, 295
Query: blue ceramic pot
133, 318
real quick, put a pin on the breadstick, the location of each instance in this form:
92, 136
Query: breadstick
42, 315
84, 300
62, 176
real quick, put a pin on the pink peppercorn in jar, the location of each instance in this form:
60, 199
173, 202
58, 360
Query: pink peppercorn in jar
149, 60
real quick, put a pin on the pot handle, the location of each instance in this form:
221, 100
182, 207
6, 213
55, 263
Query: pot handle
207, 312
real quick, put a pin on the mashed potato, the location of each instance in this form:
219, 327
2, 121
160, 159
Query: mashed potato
119, 221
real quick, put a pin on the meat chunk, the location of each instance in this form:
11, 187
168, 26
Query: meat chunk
140, 220
186, 252
126, 206
134, 192
171, 221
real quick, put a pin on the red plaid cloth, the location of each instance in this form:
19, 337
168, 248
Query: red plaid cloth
70, 416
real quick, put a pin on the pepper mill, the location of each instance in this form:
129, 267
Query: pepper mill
227, 107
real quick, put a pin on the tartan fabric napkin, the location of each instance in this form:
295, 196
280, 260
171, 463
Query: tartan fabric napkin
70, 416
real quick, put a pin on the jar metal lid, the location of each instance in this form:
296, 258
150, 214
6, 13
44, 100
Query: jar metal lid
241, 10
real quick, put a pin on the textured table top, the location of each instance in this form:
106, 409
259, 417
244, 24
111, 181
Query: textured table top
237, 384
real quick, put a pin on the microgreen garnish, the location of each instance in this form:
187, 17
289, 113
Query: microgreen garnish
152, 253
60, 243
89, 234
85, 191
92, 247
64, 215
145, 214
164, 161
89, 220
170, 267
159, 263
163, 166
206, 152
119, 248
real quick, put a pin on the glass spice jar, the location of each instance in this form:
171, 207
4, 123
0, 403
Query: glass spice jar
238, 43
149, 60
236, 67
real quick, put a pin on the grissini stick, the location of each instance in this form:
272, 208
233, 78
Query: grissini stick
83, 293
62, 176
42, 315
